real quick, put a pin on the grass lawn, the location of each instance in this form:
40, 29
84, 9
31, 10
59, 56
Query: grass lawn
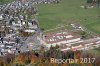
94, 27
52, 15
6, 1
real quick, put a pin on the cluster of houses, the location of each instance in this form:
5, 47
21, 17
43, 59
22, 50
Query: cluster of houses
15, 26
83, 45
8, 45
14, 15
10, 38
70, 41
18, 32
17, 29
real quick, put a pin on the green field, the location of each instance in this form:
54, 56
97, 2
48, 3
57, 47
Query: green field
6, 1
68, 11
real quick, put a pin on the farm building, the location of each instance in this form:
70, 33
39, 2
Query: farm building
60, 38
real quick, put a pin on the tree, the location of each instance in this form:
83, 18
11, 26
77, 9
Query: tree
89, 1
17, 40
8, 58
1, 61
98, 2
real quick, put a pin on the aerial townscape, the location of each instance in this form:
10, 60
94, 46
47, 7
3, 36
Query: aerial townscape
35, 32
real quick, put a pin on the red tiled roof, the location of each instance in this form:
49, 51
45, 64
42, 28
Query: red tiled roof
55, 37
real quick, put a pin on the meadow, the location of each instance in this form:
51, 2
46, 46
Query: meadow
66, 12
6, 1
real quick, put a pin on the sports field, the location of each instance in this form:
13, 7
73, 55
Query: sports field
69, 11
